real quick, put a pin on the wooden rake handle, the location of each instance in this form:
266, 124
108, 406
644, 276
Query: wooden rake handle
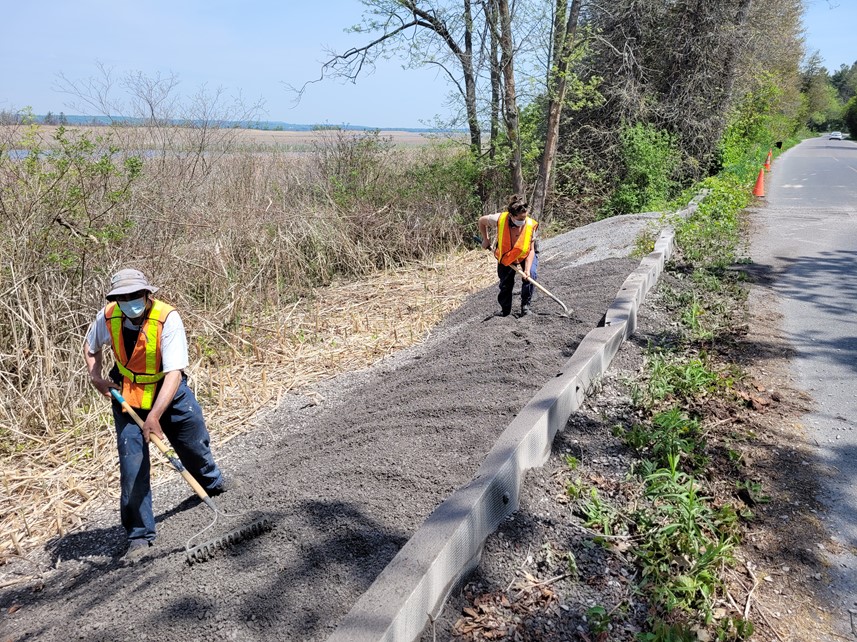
167, 451
540, 287
517, 269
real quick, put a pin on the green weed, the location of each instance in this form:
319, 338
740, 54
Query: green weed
598, 619
599, 515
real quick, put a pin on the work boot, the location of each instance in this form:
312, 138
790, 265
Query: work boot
228, 483
502, 313
137, 550
525, 310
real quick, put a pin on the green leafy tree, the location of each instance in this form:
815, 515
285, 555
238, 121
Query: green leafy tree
845, 82
851, 117
822, 106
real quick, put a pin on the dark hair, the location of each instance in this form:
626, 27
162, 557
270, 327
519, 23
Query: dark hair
517, 204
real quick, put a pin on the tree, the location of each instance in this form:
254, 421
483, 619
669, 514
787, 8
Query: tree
564, 31
851, 117
822, 107
510, 102
186, 135
845, 82
428, 35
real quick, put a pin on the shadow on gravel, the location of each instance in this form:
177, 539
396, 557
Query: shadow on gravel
807, 279
104, 541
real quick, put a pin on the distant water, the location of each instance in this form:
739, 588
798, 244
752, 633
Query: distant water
265, 125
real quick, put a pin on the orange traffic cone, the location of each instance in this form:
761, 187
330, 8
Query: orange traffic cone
768, 161
759, 190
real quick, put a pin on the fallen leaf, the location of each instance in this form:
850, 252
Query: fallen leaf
620, 547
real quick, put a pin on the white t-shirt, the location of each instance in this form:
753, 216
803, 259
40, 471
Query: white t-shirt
173, 339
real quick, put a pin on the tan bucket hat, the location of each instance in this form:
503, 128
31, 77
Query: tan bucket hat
127, 281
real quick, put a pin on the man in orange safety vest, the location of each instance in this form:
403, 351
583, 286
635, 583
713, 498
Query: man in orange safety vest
149, 345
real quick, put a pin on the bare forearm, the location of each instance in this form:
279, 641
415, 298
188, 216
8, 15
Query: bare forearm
94, 368
92, 360
483, 227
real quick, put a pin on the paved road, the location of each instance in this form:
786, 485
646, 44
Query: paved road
806, 241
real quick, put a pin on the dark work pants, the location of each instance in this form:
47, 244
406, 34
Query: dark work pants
507, 284
184, 426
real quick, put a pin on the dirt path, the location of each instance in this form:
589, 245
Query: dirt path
348, 473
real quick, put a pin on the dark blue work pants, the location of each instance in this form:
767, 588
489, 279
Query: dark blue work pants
184, 426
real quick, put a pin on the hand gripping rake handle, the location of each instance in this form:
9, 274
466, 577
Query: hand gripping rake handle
167, 451
517, 269
205, 550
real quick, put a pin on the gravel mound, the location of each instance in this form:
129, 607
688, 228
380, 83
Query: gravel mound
347, 473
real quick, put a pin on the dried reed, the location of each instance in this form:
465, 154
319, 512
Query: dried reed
275, 262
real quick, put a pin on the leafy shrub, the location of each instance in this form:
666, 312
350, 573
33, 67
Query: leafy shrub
851, 117
650, 157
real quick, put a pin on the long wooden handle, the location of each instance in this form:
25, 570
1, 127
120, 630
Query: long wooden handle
168, 452
540, 287
478, 239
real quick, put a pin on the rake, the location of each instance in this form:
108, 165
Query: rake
205, 550
566, 310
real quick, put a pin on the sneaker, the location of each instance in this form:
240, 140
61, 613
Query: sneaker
228, 483
502, 313
137, 550
525, 310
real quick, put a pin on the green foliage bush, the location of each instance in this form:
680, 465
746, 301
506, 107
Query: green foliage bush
709, 237
650, 157
851, 117
63, 207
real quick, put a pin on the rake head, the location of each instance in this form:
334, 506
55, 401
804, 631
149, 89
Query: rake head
206, 550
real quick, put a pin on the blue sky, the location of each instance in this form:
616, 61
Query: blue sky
255, 47
829, 28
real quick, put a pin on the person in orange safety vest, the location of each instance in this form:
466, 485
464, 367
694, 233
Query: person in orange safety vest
516, 235
149, 345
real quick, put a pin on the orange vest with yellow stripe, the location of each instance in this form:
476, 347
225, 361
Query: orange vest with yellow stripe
141, 370
507, 253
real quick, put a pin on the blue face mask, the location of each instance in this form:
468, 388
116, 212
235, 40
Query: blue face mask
133, 309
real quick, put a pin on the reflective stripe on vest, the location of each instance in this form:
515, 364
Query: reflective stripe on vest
141, 371
505, 252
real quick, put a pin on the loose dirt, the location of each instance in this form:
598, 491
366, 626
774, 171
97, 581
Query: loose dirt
545, 576
349, 470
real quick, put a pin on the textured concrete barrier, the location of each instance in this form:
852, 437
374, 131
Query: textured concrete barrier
415, 584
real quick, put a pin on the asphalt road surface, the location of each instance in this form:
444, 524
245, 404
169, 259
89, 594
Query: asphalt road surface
804, 246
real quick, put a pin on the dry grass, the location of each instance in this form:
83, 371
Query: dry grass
48, 491
274, 260
270, 140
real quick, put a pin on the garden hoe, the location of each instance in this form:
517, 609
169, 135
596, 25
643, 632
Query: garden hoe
205, 550
538, 285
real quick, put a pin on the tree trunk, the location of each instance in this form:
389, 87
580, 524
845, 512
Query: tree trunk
493, 31
557, 89
510, 107
466, 59
741, 17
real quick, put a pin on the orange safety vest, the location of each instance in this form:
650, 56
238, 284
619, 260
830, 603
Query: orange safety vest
505, 252
141, 371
